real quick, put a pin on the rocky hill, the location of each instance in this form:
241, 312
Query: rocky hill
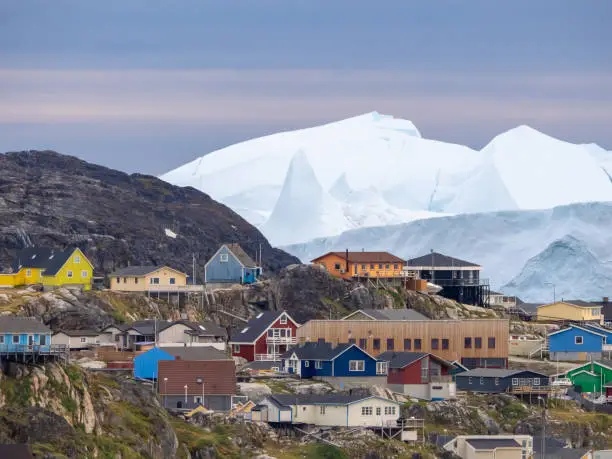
55, 200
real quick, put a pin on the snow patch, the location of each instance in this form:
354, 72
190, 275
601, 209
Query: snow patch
170, 233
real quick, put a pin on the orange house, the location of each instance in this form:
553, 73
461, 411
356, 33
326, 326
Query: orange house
361, 264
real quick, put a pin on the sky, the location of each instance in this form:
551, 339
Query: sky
147, 85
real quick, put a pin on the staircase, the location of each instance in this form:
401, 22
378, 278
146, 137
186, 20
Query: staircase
541, 350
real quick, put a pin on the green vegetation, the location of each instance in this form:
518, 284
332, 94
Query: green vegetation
336, 307
17, 392
278, 386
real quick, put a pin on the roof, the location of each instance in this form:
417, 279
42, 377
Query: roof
317, 351
403, 359
241, 255
255, 327
205, 328
42, 258
196, 353
572, 326
264, 365
148, 326
56, 261
17, 451
12, 324
138, 271
218, 376
391, 314
495, 373
366, 257
529, 307
440, 261
492, 443
326, 399
577, 303
555, 448
78, 332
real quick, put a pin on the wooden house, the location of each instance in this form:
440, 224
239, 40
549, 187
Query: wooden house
147, 278
185, 384
347, 265
28, 340
491, 446
419, 375
495, 380
340, 365
460, 280
146, 363
50, 268
231, 264
265, 337
473, 343
77, 339
327, 410
385, 314
570, 311
590, 376
580, 343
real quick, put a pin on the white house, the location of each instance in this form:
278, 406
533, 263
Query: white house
77, 339
328, 410
491, 446
189, 333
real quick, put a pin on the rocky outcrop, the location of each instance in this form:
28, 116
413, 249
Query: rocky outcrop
54, 200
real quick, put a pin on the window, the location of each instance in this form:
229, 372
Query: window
470, 380
318, 364
376, 343
172, 281
395, 266
417, 344
322, 409
84, 274
389, 410
83, 340
363, 267
1, 339
135, 280
434, 343
42, 340
387, 266
118, 279
425, 370
306, 363
125, 280
467, 343
223, 258
352, 341
497, 381
15, 339
444, 343
515, 381
371, 266
482, 381
491, 342
390, 344
283, 320
536, 381
154, 280
236, 347
28, 272
366, 411
407, 344
381, 368
69, 274
378, 411
578, 339
356, 365
337, 266
363, 343
478, 343
77, 259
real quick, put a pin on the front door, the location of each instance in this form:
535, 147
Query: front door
30, 340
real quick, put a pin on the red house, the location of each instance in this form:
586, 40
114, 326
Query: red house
419, 374
264, 337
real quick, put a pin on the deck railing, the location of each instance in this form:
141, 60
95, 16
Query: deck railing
281, 339
267, 357
48, 349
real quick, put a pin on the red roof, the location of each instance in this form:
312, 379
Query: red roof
218, 376
365, 257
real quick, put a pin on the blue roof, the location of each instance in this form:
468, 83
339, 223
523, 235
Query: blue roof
318, 351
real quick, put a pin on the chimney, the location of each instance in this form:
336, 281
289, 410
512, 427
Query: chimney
347, 261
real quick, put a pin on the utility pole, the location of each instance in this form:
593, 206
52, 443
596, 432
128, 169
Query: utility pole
260, 263
194, 269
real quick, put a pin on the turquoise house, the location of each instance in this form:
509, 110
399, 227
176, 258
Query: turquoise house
23, 334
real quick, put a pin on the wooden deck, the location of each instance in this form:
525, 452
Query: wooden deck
34, 353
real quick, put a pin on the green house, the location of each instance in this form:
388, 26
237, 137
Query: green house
591, 376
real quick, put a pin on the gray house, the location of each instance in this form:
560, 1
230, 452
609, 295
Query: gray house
497, 380
231, 264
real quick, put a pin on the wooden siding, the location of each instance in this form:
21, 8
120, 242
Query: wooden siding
363, 269
567, 311
337, 331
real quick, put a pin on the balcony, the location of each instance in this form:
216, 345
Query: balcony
607, 347
281, 340
267, 357
440, 378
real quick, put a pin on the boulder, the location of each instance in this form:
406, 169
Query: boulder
255, 391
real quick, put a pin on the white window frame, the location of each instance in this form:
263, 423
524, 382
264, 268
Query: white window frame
497, 381
481, 381
77, 259
13, 340
83, 339
576, 338
382, 368
1, 339
470, 380
378, 410
322, 409
356, 364
283, 320
84, 274
536, 381
366, 411
306, 363
172, 280
28, 272
235, 347
69, 274
515, 381
318, 365
223, 258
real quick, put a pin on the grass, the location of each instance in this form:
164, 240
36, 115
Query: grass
278, 386
134, 418
195, 438
17, 392
309, 451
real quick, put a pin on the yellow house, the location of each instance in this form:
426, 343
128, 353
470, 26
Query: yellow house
570, 310
49, 267
147, 278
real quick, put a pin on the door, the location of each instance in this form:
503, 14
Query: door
30, 340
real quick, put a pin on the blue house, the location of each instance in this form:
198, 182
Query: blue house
578, 343
20, 334
497, 380
146, 364
231, 264
323, 360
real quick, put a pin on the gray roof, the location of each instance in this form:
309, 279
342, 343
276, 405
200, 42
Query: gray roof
241, 255
438, 260
394, 314
262, 365
147, 327
43, 258
56, 261
402, 359
205, 328
492, 443
312, 399
79, 332
255, 327
12, 324
197, 353
496, 373
317, 351
555, 448
134, 271
529, 307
